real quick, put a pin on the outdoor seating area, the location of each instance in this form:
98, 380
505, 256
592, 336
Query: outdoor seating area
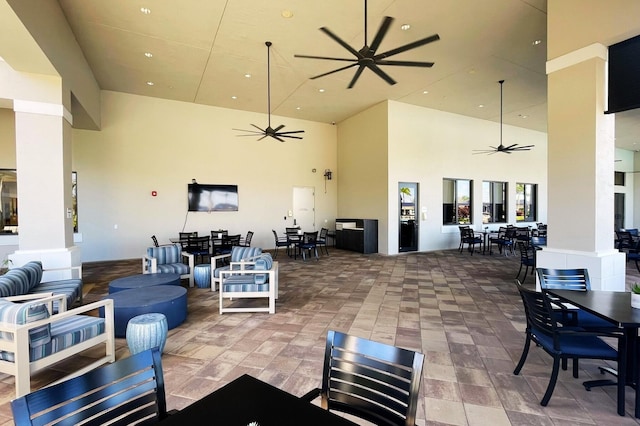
483, 336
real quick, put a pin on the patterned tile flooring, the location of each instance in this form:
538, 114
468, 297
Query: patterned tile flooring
462, 311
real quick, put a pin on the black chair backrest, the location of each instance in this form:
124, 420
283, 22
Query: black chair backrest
229, 241
186, 235
309, 237
198, 244
323, 234
374, 381
214, 234
155, 241
247, 239
525, 251
539, 312
564, 279
132, 387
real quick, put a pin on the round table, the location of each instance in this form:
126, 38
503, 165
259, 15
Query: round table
169, 300
142, 281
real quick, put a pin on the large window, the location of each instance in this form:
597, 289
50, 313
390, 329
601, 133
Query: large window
456, 201
494, 202
526, 200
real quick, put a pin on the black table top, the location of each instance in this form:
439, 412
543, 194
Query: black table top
614, 306
247, 400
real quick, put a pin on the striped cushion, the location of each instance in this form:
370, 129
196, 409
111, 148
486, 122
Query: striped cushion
173, 268
71, 288
242, 283
14, 283
264, 262
240, 253
166, 254
23, 313
65, 333
34, 272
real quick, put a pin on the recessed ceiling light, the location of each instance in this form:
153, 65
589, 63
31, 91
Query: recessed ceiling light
286, 13
321, 90
150, 83
424, 92
145, 10
405, 27
523, 116
234, 97
536, 42
298, 108
148, 54
481, 106
247, 75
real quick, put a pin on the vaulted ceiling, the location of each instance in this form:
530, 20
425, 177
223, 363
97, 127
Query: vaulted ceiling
202, 52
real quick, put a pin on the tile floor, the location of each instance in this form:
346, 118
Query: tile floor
462, 311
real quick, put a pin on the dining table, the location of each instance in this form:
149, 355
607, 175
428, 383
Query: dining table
249, 401
615, 307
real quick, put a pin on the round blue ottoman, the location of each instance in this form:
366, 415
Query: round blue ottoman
147, 331
143, 280
202, 275
169, 300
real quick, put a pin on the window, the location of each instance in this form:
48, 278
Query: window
456, 201
619, 178
526, 195
494, 202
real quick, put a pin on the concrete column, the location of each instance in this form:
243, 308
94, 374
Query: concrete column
581, 152
43, 160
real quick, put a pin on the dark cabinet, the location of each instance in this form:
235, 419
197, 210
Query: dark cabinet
359, 235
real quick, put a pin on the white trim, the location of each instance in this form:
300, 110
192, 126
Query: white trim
595, 50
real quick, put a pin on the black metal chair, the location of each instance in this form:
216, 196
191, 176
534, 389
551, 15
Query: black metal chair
280, 242
127, 391
246, 241
527, 259
155, 241
371, 380
470, 239
322, 240
564, 343
308, 243
199, 247
228, 241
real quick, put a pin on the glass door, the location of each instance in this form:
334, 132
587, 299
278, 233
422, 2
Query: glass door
408, 199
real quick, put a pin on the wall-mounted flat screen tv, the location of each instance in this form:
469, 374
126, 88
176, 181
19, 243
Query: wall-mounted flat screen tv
624, 69
212, 198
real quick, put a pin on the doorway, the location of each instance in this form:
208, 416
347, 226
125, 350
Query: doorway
408, 220
304, 214
618, 218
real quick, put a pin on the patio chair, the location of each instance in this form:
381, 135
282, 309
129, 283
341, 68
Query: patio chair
279, 242
564, 343
375, 381
127, 391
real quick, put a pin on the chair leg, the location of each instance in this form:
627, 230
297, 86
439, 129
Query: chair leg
552, 382
523, 357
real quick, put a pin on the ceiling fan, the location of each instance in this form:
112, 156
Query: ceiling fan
269, 131
501, 148
367, 58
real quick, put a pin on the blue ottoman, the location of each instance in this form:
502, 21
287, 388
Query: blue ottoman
143, 280
202, 275
169, 300
147, 331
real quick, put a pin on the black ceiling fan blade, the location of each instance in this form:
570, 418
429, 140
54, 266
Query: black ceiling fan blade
341, 42
406, 47
249, 131
522, 148
289, 136
510, 146
261, 130
382, 31
278, 128
277, 138
325, 57
383, 75
290, 132
356, 76
264, 136
406, 63
334, 71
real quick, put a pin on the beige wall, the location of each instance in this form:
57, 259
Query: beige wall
149, 144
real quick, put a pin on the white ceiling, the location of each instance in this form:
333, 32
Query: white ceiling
203, 49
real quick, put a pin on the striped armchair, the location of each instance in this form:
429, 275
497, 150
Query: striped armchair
168, 260
254, 279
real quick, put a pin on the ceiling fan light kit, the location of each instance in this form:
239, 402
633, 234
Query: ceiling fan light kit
269, 131
501, 148
366, 57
